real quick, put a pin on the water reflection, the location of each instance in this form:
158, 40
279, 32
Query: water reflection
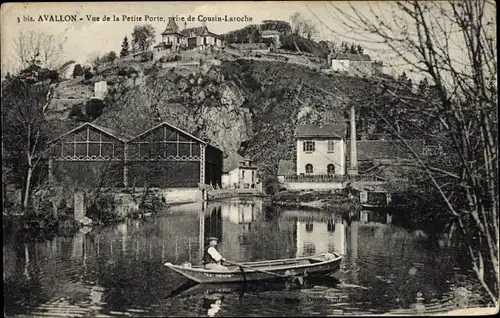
119, 269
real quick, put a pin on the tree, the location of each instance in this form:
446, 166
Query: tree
125, 48
297, 21
309, 29
277, 25
143, 36
77, 70
109, 57
46, 49
302, 27
94, 60
25, 97
360, 49
428, 36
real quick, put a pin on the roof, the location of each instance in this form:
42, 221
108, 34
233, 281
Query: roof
270, 32
171, 126
286, 168
321, 131
351, 57
233, 161
196, 30
385, 149
171, 27
107, 131
163, 44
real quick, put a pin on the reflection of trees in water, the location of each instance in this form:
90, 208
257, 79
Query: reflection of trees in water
213, 223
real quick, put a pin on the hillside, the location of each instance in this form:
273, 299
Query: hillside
244, 106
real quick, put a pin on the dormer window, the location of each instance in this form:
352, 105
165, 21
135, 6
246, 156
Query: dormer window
309, 146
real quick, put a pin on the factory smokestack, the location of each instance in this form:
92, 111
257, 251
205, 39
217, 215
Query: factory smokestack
353, 169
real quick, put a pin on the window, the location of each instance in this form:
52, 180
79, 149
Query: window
330, 169
309, 168
331, 146
309, 146
243, 173
309, 248
253, 176
309, 227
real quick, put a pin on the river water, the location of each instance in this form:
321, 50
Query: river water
118, 270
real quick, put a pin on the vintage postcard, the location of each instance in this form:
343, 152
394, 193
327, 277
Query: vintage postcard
274, 158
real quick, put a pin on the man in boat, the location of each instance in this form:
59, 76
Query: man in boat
212, 259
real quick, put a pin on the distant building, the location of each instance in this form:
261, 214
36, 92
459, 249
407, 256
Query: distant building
272, 34
354, 64
385, 150
174, 38
239, 173
321, 149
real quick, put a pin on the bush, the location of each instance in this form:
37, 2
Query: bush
94, 108
103, 210
126, 71
146, 56
77, 70
77, 113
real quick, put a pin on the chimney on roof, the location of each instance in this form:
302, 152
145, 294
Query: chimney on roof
185, 25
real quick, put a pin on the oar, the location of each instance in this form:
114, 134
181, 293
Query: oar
257, 270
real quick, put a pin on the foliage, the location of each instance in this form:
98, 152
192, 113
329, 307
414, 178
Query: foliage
146, 56
458, 112
127, 71
248, 34
109, 57
42, 49
94, 108
77, 70
300, 44
125, 47
77, 113
103, 209
303, 27
143, 36
24, 100
276, 25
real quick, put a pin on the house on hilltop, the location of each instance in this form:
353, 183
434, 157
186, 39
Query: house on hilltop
353, 64
174, 38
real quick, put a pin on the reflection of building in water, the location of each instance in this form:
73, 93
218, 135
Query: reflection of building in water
240, 212
375, 217
246, 235
315, 237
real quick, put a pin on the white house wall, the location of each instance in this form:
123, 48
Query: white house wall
320, 158
322, 240
340, 65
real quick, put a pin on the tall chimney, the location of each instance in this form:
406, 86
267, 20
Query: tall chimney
353, 169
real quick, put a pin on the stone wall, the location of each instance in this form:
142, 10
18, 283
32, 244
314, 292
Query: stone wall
314, 185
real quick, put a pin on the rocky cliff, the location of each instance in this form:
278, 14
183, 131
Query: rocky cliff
244, 106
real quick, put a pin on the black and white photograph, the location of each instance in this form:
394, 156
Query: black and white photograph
249, 158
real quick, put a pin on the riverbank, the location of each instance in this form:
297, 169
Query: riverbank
323, 200
30, 226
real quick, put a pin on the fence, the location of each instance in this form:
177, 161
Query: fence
331, 178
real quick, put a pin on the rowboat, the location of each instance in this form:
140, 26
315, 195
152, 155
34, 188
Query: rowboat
318, 265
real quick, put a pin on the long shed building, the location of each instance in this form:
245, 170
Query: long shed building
164, 156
